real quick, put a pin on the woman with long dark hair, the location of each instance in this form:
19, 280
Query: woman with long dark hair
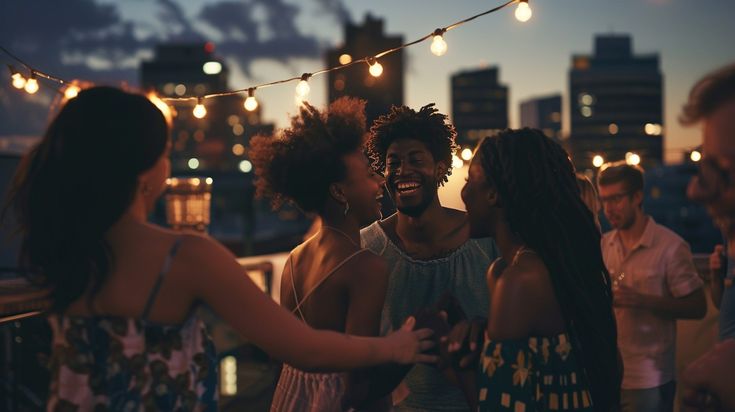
125, 332
551, 337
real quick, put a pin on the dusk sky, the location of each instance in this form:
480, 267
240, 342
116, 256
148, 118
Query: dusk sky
265, 40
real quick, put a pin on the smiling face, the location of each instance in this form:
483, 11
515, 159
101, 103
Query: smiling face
362, 188
411, 176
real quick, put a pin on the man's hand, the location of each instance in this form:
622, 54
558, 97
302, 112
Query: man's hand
627, 297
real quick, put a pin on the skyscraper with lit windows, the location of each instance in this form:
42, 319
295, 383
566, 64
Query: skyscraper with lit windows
615, 105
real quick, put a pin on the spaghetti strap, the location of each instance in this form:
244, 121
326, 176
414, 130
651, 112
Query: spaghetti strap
161, 275
295, 295
321, 281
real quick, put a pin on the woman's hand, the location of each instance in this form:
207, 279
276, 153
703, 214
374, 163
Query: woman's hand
408, 345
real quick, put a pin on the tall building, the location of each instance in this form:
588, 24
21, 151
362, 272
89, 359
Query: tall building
380, 92
615, 104
479, 104
217, 141
543, 113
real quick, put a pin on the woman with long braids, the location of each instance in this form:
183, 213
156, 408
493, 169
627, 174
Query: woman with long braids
551, 337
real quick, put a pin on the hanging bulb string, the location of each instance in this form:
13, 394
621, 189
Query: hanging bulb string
366, 59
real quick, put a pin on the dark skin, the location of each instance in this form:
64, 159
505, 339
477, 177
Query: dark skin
351, 299
522, 298
435, 232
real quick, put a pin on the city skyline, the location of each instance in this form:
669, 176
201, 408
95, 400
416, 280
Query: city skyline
533, 57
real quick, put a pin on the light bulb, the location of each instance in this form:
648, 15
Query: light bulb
303, 88
466, 154
19, 81
31, 85
376, 69
696, 156
523, 11
250, 103
199, 110
597, 161
71, 92
438, 46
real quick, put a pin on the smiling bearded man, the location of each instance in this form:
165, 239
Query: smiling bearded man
427, 247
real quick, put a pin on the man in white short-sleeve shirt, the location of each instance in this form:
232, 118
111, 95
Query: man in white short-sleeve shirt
654, 284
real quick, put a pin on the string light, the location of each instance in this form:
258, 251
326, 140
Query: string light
438, 45
251, 103
376, 69
303, 88
695, 155
598, 161
199, 110
19, 81
523, 11
31, 85
71, 91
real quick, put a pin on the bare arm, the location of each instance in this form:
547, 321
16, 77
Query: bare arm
691, 306
219, 281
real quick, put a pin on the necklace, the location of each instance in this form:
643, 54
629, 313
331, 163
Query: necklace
334, 229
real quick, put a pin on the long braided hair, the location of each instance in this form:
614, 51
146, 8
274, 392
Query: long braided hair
541, 200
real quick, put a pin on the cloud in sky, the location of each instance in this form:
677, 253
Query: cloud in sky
91, 40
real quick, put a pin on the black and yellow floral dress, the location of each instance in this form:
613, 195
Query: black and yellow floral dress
532, 374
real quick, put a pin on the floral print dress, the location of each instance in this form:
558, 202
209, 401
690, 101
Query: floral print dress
533, 374
107, 363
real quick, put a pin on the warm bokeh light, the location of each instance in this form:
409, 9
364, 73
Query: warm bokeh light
250, 103
695, 155
466, 154
71, 91
19, 81
632, 158
193, 163
598, 161
238, 149
199, 111
438, 46
245, 166
613, 128
376, 69
303, 88
31, 85
212, 67
456, 162
345, 59
523, 11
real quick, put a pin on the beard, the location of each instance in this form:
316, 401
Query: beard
429, 188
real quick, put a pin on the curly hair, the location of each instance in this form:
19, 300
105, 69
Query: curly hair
427, 126
538, 190
298, 165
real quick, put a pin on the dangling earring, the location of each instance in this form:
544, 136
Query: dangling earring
347, 207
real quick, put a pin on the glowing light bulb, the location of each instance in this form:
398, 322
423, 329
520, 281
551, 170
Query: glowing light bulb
466, 154
72, 91
250, 103
695, 155
376, 69
345, 59
31, 85
199, 110
438, 45
523, 11
632, 158
19, 81
303, 88
597, 161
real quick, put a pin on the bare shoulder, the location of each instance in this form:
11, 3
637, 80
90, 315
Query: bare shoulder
369, 264
202, 253
528, 277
